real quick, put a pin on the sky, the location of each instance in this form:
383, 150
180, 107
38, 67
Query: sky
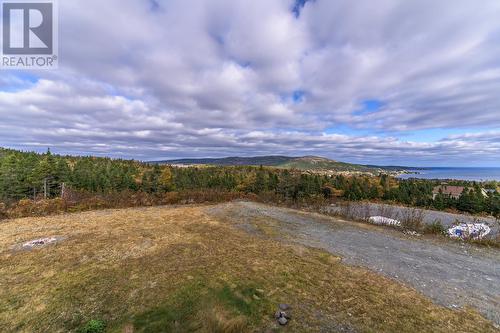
386, 82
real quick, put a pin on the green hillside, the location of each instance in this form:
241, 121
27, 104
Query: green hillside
321, 163
311, 163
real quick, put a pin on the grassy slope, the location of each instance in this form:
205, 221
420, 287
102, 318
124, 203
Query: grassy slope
318, 163
167, 269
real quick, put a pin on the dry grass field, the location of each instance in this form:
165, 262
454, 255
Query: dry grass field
176, 269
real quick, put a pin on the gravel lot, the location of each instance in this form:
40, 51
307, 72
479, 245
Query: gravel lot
451, 273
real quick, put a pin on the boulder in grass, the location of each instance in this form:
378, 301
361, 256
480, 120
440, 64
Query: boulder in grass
284, 307
282, 321
281, 316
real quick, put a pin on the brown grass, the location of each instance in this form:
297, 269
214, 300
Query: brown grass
84, 201
219, 320
177, 269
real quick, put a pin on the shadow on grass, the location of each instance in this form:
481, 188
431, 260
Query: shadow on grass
199, 308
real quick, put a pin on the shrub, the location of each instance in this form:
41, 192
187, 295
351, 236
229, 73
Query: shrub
388, 211
347, 210
435, 228
412, 219
26, 207
3, 211
93, 326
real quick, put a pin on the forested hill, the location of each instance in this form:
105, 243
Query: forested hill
314, 163
26, 175
232, 161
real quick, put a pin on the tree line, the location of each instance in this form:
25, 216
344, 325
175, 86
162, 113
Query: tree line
26, 175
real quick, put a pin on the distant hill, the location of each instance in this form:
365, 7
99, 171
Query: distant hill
321, 163
231, 161
312, 163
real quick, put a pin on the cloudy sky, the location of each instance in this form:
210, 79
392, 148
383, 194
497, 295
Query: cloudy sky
413, 82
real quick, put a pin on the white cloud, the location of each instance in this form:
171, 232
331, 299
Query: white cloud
216, 77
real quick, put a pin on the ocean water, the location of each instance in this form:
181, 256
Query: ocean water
477, 174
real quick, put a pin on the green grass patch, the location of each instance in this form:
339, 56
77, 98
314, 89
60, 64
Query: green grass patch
196, 307
93, 326
241, 302
178, 310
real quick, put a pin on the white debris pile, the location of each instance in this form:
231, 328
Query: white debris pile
469, 231
381, 220
39, 242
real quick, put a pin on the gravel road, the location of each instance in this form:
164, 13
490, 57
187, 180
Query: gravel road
361, 210
452, 274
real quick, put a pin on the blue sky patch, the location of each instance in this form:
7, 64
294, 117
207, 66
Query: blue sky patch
369, 106
15, 81
295, 97
299, 4
344, 129
298, 96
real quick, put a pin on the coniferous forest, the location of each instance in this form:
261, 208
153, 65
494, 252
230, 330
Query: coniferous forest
32, 176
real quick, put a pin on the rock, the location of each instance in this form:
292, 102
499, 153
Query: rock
284, 307
282, 314
282, 321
